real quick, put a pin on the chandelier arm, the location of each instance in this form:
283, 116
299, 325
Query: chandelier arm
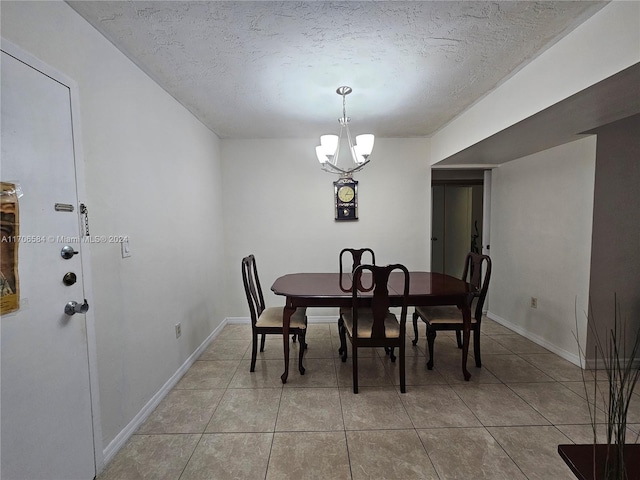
334, 160
359, 167
335, 169
351, 144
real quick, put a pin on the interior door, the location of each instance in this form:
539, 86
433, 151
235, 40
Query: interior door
437, 228
457, 228
46, 409
456, 225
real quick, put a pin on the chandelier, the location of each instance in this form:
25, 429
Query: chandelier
329, 149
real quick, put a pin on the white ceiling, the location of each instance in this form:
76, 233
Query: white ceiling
268, 69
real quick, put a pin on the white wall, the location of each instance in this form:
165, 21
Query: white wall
541, 221
605, 44
152, 172
279, 206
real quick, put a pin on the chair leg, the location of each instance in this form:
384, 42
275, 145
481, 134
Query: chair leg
459, 338
302, 348
297, 336
354, 360
343, 343
403, 383
340, 327
476, 347
391, 355
431, 336
306, 327
262, 342
254, 351
415, 328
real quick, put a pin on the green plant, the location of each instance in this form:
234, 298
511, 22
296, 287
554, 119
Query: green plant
622, 374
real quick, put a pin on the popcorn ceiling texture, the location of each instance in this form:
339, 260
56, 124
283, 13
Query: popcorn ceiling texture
270, 69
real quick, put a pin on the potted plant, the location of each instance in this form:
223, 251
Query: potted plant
615, 366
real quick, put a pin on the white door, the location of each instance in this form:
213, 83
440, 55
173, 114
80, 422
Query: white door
46, 410
457, 228
437, 228
450, 228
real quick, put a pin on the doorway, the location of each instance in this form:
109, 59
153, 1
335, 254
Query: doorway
457, 221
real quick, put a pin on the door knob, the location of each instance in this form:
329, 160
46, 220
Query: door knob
67, 252
71, 308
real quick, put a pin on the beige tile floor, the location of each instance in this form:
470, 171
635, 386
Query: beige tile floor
223, 422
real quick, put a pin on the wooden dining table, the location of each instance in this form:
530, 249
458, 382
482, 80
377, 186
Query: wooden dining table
588, 461
334, 290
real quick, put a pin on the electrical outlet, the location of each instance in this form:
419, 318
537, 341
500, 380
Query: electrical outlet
534, 302
178, 330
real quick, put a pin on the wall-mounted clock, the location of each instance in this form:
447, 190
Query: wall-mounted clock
346, 199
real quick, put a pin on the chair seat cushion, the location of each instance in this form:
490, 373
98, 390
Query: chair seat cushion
272, 317
365, 323
444, 314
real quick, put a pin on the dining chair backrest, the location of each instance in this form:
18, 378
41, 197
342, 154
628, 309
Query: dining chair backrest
378, 292
356, 257
477, 272
252, 287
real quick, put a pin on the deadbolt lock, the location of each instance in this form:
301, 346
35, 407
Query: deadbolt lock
69, 279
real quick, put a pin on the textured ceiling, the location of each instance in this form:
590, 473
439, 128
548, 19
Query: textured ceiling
270, 69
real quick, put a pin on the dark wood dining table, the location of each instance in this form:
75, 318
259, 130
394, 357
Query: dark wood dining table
588, 461
334, 290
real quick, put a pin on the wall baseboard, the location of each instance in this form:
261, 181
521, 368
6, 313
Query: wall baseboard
118, 442
588, 364
322, 319
570, 357
237, 320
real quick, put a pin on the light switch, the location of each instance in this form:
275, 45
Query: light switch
125, 248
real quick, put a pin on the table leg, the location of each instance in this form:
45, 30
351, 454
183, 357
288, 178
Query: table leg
466, 333
286, 321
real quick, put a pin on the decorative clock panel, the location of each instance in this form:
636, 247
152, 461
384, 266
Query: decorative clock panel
346, 199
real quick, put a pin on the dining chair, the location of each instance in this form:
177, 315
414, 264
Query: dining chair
268, 320
450, 317
369, 323
356, 260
